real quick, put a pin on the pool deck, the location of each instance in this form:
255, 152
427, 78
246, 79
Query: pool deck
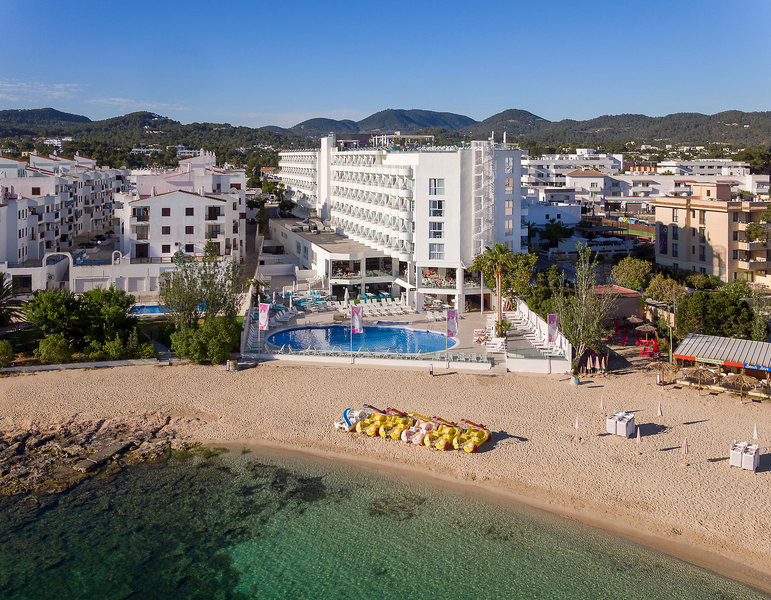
466, 326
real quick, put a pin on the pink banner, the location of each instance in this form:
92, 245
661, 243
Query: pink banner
264, 316
357, 319
552, 321
452, 323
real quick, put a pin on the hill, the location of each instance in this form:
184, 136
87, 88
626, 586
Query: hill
410, 121
39, 117
319, 127
513, 121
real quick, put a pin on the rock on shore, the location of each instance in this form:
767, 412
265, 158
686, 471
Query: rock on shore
53, 457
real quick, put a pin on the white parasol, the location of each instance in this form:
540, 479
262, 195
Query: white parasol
755, 433
685, 446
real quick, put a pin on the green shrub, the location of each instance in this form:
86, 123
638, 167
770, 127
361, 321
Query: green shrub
6, 354
94, 351
54, 349
187, 343
115, 349
146, 350
213, 341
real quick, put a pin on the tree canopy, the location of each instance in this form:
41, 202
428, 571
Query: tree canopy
632, 273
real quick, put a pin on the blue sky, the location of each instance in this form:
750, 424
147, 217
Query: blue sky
258, 63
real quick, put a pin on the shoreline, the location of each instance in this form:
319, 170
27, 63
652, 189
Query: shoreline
730, 567
706, 513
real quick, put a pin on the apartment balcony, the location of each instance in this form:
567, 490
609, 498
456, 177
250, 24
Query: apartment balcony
749, 246
214, 216
139, 219
214, 231
753, 265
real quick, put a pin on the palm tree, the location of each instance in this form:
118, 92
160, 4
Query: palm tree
494, 262
8, 312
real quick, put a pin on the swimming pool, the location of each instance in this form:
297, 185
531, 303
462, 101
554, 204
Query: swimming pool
146, 309
397, 340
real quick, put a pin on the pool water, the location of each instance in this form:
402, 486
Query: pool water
398, 340
146, 309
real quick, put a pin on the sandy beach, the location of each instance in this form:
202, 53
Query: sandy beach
704, 512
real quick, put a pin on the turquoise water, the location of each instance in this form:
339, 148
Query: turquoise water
400, 340
256, 527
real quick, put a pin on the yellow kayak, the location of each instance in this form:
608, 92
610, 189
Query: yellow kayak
472, 437
395, 424
371, 425
442, 437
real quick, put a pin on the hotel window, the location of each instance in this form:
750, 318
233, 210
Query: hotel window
702, 217
508, 226
436, 208
510, 244
509, 164
593, 184
736, 255
189, 248
735, 216
674, 250
736, 236
675, 232
189, 229
166, 212
165, 230
436, 187
435, 229
509, 206
436, 251
35, 191
166, 248
702, 235
674, 215
189, 211
509, 185
702, 253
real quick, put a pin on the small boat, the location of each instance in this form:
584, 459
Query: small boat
441, 438
350, 418
416, 433
472, 437
372, 424
395, 424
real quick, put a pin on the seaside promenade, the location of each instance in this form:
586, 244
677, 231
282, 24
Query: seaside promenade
706, 512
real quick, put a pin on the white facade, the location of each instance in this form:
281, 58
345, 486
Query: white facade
46, 203
550, 170
157, 227
593, 187
432, 210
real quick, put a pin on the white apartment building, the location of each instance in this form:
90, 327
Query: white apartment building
593, 188
553, 204
159, 226
168, 211
44, 205
550, 170
427, 212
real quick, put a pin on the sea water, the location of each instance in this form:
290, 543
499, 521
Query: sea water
246, 526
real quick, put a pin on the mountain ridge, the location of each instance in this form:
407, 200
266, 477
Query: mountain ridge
730, 126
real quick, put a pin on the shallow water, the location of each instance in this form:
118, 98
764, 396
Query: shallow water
243, 526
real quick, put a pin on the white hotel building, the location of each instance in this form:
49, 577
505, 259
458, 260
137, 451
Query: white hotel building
424, 213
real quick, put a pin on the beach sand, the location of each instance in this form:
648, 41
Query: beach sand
704, 512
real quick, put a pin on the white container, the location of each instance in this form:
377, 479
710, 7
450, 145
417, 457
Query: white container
625, 425
737, 448
610, 424
751, 457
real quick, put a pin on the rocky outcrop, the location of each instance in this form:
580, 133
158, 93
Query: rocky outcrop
53, 457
